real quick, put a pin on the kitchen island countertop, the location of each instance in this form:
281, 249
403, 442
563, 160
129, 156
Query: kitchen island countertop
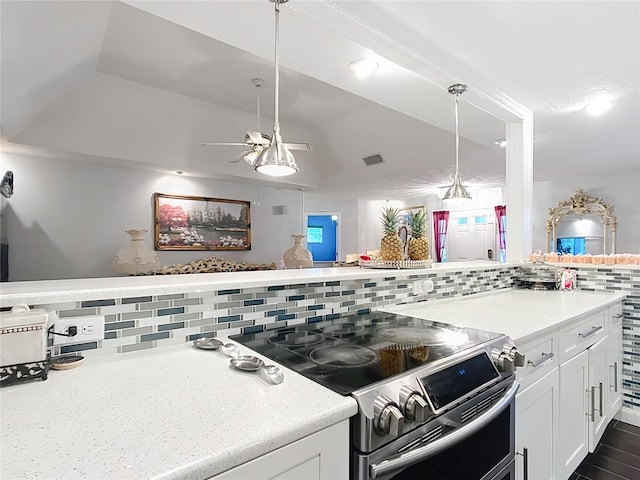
518, 313
175, 413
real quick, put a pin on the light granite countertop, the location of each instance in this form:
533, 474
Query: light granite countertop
518, 313
56, 291
171, 413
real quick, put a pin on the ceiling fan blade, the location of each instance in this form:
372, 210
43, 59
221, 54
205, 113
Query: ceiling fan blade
258, 138
240, 156
225, 144
297, 146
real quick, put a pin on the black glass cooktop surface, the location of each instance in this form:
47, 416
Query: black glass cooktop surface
351, 352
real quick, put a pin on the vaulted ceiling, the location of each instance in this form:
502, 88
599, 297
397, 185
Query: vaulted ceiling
143, 84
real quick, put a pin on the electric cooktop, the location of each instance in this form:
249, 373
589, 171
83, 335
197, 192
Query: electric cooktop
352, 352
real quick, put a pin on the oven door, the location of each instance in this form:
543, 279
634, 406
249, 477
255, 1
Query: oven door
483, 449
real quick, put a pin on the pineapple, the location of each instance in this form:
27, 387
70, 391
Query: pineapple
391, 247
418, 244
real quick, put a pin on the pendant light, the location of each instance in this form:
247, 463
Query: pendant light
456, 194
276, 160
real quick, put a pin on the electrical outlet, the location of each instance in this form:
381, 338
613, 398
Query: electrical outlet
88, 328
422, 286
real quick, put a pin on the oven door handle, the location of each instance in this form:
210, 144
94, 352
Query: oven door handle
407, 459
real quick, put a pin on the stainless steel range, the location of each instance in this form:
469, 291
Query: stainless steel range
433, 398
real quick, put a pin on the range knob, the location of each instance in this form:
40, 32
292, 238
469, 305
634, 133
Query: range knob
515, 354
388, 418
413, 404
503, 361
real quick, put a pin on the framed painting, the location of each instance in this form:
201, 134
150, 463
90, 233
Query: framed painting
201, 223
405, 215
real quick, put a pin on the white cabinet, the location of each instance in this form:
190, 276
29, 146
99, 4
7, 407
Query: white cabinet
613, 385
597, 415
573, 438
536, 428
321, 456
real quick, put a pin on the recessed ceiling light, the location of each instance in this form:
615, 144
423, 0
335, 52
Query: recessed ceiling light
179, 172
363, 67
598, 107
501, 142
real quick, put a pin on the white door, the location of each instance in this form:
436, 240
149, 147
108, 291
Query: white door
471, 236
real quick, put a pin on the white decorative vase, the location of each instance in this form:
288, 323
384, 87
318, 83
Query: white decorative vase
136, 258
297, 256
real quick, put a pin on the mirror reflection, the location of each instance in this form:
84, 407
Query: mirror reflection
582, 225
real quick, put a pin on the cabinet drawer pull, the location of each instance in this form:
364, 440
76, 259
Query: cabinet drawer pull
601, 399
545, 357
591, 332
593, 404
615, 376
618, 315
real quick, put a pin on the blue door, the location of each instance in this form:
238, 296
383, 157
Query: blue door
322, 237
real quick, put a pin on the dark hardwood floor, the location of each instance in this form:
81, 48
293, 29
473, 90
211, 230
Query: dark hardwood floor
617, 456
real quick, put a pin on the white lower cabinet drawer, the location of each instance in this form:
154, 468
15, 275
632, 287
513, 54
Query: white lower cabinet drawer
541, 357
581, 335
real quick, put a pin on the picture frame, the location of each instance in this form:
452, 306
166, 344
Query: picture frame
201, 223
405, 217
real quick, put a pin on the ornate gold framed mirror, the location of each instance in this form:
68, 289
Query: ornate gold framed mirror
585, 218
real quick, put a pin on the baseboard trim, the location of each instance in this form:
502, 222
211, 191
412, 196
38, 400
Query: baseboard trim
628, 415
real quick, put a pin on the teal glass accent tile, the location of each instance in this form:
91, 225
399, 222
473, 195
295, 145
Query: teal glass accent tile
195, 336
119, 325
136, 300
332, 316
97, 303
170, 311
229, 318
110, 335
314, 319
332, 294
294, 298
370, 284
79, 347
335, 283
364, 311
315, 307
273, 313
275, 288
170, 326
248, 303
253, 329
348, 292
232, 291
153, 336
289, 316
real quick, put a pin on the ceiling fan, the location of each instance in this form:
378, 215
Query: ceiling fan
255, 141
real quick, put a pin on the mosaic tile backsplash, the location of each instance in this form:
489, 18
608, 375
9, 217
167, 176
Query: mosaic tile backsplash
139, 323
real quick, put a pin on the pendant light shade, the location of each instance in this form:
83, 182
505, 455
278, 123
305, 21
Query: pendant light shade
276, 160
457, 194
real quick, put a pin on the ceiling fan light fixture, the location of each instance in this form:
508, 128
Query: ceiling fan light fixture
276, 160
457, 193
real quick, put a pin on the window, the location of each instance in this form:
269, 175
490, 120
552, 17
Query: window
314, 234
462, 221
480, 220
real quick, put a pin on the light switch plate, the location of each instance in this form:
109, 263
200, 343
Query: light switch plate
90, 328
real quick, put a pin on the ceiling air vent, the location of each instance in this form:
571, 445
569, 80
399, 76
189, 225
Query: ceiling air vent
372, 160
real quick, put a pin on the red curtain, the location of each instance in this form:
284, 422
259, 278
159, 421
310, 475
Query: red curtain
501, 216
440, 223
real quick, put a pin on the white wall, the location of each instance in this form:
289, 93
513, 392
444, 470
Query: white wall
620, 189
68, 219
